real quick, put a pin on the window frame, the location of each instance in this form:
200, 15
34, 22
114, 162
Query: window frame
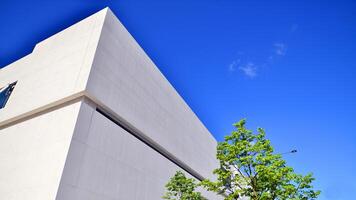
6, 91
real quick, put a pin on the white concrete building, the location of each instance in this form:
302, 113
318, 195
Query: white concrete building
91, 117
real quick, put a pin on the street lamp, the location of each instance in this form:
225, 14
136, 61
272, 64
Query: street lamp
292, 151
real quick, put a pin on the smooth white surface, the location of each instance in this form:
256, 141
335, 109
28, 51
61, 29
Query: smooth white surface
98, 59
33, 153
58, 67
106, 162
124, 79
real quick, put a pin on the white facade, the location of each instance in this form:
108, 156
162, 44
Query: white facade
92, 117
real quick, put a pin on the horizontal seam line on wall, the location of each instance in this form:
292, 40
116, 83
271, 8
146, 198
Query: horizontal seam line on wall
97, 106
149, 144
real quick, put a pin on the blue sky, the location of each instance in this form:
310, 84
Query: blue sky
286, 66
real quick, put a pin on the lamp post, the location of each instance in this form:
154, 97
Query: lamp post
288, 152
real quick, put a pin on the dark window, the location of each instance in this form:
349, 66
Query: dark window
5, 93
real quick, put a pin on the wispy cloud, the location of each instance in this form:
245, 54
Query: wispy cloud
233, 65
280, 49
250, 70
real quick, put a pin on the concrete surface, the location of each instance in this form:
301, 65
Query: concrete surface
54, 144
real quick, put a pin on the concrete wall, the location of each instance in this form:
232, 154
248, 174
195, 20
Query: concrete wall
34, 142
33, 154
95, 59
57, 68
105, 162
126, 81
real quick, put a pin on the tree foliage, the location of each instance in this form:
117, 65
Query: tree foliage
249, 168
182, 188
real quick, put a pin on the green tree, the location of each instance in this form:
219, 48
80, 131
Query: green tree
249, 168
182, 188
